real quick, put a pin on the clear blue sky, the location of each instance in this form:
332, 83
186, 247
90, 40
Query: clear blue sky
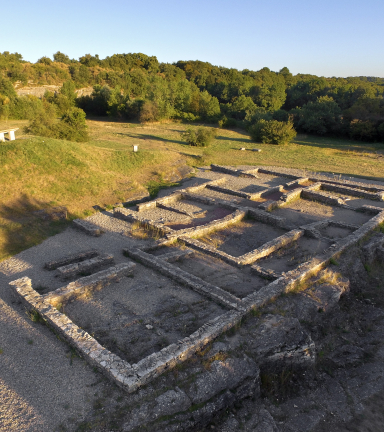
329, 38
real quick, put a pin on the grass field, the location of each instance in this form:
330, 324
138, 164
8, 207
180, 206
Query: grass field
39, 173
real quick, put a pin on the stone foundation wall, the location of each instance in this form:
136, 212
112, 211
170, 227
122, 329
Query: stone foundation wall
378, 196
208, 290
89, 283
70, 259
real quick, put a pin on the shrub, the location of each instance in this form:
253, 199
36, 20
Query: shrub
43, 121
149, 112
4, 107
71, 127
200, 137
272, 131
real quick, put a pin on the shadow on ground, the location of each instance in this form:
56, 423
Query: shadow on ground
26, 222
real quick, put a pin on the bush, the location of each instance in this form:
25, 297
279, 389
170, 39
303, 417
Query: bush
200, 137
43, 122
272, 131
149, 112
71, 127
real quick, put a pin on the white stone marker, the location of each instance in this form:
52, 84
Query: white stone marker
135, 148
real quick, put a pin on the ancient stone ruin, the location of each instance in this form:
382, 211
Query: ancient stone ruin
141, 290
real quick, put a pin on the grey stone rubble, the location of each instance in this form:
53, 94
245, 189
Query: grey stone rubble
133, 376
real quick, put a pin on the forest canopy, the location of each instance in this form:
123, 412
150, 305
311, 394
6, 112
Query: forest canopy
135, 86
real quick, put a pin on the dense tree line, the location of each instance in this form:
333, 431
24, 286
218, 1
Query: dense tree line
139, 87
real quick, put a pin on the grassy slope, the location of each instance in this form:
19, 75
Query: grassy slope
40, 172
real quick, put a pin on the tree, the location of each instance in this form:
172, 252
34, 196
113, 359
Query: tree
241, 106
68, 90
6, 88
61, 58
272, 132
320, 117
4, 107
45, 60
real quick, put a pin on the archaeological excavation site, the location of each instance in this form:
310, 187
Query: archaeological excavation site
247, 298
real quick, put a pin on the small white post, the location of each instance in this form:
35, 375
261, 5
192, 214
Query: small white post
135, 148
2, 137
11, 135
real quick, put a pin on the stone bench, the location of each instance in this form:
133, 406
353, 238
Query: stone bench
10, 132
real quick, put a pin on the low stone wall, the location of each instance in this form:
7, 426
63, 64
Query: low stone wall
127, 376
226, 170
229, 191
378, 196
289, 197
109, 364
268, 206
351, 184
213, 292
210, 250
277, 173
170, 199
266, 217
89, 283
53, 265
265, 273
322, 197
87, 266
87, 227
177, 255
340, 224
271, 246
201, 230
130, 216
291, 279
193, 189
370, 209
